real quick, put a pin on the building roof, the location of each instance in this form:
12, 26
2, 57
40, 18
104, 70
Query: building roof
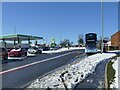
116, 33
19, 36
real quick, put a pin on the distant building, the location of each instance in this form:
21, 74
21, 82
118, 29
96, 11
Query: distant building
108, 45
115, 40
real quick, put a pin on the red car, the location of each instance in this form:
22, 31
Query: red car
3, 54
17, 52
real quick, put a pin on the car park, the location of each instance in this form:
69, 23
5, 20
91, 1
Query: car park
17, 52
3, 54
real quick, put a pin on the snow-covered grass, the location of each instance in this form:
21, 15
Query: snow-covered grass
115, 67
63, 49
72, 74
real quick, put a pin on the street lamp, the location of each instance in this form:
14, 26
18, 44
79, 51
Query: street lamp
102, 25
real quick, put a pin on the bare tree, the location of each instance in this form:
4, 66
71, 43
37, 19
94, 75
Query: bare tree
65, 43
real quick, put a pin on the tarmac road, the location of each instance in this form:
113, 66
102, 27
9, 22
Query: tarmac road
17, 74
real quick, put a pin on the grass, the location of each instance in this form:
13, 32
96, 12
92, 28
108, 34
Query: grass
110, 74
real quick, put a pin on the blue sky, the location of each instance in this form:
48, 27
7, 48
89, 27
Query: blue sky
50, 19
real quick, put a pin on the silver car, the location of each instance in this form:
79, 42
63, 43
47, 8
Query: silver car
34, 50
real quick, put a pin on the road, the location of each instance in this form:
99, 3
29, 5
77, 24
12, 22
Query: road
17, 74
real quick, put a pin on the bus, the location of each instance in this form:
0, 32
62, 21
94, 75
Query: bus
91, 43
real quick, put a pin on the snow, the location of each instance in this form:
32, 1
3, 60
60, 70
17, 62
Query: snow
16, 49
70, 74
115, 66
17, 57
114, 51
63, 49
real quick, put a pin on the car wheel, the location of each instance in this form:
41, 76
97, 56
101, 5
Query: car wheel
26, 54
6, 57
23, 55
40, 52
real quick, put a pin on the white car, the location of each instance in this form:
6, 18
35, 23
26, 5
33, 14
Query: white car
34, 50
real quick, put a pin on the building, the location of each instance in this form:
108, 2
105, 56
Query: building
115, 40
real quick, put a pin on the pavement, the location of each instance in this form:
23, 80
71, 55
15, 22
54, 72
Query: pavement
95, 80
19, 73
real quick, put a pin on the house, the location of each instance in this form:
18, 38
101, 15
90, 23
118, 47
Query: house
115, 41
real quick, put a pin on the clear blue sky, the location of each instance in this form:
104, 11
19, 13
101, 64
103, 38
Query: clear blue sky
50, 19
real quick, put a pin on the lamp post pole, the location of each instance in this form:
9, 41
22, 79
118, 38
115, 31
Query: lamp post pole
102, 25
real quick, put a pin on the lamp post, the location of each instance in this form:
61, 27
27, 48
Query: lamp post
102, 25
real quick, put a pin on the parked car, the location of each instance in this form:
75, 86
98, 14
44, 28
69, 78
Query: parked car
9, 49
46, 48
3, 54
34, 50
55, 48
17, 52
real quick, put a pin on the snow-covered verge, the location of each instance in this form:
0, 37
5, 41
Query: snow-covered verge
63, 49
115, 67
72, 74
115, 51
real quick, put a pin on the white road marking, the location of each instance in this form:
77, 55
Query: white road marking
27, 65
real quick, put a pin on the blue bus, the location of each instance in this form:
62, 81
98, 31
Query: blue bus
91, 43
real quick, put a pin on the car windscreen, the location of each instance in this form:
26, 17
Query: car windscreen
34, 48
